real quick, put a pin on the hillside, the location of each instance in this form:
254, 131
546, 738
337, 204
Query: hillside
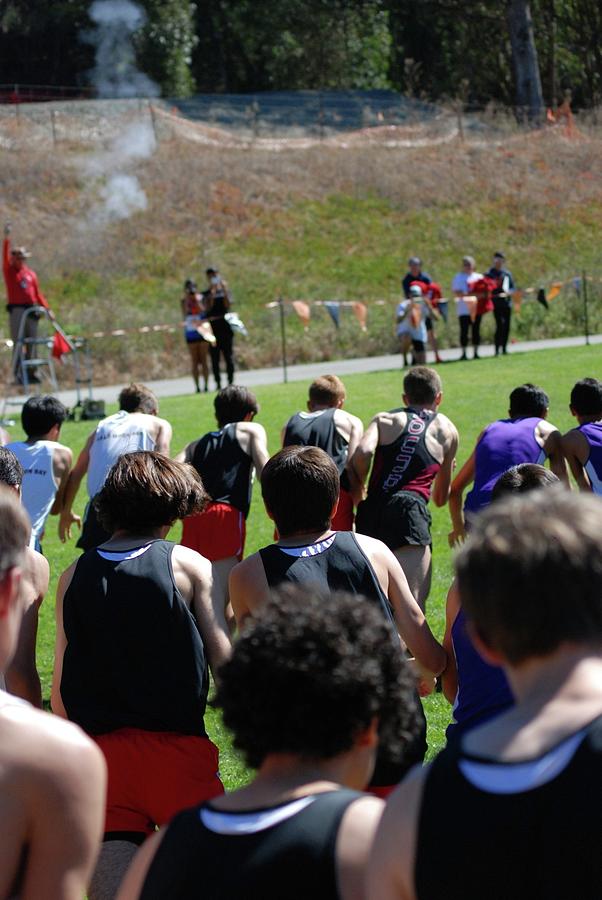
305, 219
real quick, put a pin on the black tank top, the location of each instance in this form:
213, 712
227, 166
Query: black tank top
529, 837
406, 464
134, 655
225, 468
293, 858
339, 564
318, 429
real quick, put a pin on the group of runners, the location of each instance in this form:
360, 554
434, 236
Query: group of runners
474, 293
319, 647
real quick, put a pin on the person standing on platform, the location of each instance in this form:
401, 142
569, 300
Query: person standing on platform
502, 301
23, 292
327, 426
217, 304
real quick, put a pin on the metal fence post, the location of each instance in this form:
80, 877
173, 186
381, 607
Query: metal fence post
585, 310
283, 337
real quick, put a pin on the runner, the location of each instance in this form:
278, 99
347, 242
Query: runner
46, 463
22, 678
582, 446
135, 631
526, 436
135, 427
225, 460
510, 810
300, 487
414, 450
52, 777
23, 292
301, 828
337, 432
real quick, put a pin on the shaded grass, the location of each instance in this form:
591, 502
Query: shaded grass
475, 393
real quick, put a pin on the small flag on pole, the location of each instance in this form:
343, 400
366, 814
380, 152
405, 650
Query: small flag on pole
303, 311
541, 298
334, 311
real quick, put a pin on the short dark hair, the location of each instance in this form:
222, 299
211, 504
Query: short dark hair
530, 574
327, 389
15, 529
528, 400
11, 470
233, 403
138, 398
40, 414
309, 672
146, 490
586, 397
300, 486
523, 478
421, 384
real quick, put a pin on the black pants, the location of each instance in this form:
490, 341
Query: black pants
503, 313
465, 325
223, 346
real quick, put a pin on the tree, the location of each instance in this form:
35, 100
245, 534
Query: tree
165, 45
529, 97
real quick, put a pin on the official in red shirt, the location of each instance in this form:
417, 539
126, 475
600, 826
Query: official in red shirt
23, 292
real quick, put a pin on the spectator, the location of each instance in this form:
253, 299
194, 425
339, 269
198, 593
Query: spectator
521, 788
502, 301
193, 310
461, 288
217, 304
135, 631
135, 427
46, 463
583, 445
52, 778
415, 274
300, 829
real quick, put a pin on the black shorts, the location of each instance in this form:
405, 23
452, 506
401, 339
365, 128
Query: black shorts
400, 520
418, 346
429, 323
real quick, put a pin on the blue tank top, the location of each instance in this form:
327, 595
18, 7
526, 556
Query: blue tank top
505, 443
483, 690
592, 432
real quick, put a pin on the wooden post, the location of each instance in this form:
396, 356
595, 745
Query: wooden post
283, 337
585, 311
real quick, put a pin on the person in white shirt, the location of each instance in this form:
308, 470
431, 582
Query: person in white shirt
135, 427
461, 288
46, 463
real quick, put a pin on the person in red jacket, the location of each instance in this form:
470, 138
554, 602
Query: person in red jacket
23, 292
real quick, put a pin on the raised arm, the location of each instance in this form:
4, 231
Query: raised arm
67, 518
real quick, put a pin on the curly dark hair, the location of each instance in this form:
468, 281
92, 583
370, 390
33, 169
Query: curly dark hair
309, 672
146, 490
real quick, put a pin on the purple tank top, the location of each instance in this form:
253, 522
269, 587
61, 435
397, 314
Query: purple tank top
504, 444
483, 691
592, 432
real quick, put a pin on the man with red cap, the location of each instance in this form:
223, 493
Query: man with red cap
23, 292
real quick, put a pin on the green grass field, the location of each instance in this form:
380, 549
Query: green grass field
475, 393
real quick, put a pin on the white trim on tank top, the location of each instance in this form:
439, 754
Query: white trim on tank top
222, 822
310, 549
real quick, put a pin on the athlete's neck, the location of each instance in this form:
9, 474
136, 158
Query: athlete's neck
587, 420
304, 538
123, 538
568, 671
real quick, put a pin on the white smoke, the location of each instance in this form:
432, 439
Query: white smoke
115, 76
115, 73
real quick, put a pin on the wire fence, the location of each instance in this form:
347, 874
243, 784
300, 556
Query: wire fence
43, 114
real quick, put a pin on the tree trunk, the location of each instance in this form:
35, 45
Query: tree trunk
529, 98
